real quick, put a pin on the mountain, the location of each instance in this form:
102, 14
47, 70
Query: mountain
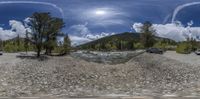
122, 41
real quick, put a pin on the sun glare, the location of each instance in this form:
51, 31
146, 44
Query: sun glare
100, 12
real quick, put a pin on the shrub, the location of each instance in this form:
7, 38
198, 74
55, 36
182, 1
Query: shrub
164, 46
160, 45
10, 48
184, 48
138, 46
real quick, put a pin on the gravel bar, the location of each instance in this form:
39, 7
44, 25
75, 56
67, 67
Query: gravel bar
143, 75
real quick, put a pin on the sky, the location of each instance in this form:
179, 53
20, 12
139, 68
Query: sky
87, 20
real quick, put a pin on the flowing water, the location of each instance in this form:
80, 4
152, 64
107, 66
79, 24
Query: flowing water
106, 57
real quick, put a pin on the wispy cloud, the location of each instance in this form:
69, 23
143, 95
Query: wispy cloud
35, 2
179, 8
110, 22
108, 16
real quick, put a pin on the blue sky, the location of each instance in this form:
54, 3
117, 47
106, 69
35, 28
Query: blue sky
89, 19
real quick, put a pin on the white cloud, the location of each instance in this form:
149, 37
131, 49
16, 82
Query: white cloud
80, 34
137, 27
175, 31
17, 28
76, 40
6, 34
79, 30
171, 31
98, 36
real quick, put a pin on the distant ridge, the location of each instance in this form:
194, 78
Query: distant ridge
127, 37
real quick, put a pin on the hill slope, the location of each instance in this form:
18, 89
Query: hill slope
123, 41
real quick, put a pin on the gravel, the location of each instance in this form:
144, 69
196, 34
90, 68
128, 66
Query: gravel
146, 74
9, 58
185, 58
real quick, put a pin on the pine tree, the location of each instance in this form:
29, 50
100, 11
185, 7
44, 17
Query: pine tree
108, 46
67, 44
147, 36
54, 28
1, 44
18, 43
26, 42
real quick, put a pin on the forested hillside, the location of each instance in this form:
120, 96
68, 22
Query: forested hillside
123, 41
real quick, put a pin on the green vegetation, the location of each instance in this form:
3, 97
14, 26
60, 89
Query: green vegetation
1, 45
184, 48
130, 41
17, 44
66, 45
26, 42
138, 45
165, 44
124, 41
195, 45
188, 46
147, 35
45, 30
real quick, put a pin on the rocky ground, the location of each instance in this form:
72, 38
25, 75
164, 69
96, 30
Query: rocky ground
111, 58
192, 58
145, 74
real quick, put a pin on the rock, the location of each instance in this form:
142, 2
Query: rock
144, 74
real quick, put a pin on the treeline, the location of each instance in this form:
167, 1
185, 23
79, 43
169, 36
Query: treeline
113, 45
143, 40
45, 31
123, 41
117, 44
43, 36
17, 44
130, 41
188, 46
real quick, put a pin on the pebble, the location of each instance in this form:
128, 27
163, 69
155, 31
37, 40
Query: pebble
142, 75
